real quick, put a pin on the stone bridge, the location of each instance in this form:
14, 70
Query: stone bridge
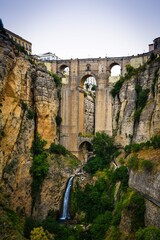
72, 95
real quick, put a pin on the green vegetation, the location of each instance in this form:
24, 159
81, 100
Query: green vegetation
38, 234
23, 105
155, 79
88, 135
104, 150
146, 165
130, 71
93, 206
40, 166
30, 114
2, 134
10, 166
117, 117
93, 87
152, 58
133, 162
132, 204
57, 79
142, 96
20, 48
121, 174
117, 87
58, 149
154, 142
58, 120
148, 233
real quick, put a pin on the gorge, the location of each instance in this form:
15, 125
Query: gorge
32, 100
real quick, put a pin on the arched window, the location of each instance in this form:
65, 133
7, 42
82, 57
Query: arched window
115, 70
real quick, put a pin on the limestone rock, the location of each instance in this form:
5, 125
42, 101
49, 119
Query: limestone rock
28, 102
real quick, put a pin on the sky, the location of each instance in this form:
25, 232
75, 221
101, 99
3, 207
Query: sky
84, 28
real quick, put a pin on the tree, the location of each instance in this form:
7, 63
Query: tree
104, 150
38, 145
103, 146
38, 234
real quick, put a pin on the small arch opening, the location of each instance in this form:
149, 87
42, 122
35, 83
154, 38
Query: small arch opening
89, 84
64, 69
115, 70
85, 151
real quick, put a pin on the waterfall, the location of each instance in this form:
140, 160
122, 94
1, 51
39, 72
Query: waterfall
65, 210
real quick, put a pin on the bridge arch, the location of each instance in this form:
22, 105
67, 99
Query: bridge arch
115, 69
84, 76
64, 69
86, 103
85, 150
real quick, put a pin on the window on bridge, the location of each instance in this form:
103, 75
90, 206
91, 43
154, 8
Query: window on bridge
115, 71
64, 70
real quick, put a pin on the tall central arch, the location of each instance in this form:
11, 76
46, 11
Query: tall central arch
86, 110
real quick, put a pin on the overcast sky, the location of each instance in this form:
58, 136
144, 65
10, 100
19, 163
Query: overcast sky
84, 28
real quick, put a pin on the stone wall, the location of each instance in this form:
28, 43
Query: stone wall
89, 115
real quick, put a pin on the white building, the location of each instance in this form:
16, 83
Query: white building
48, 56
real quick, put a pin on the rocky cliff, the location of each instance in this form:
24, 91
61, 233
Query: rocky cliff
136, 107
136, 118
28, 104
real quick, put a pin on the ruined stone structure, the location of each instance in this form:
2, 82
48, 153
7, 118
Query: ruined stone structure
72, 94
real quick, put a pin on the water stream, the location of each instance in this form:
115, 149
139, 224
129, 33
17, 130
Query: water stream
65, 209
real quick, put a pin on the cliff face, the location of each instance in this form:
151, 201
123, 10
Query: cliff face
125, 108
136, 118
148, 184
28, 103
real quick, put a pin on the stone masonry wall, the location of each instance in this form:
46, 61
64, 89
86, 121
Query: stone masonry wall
89, 115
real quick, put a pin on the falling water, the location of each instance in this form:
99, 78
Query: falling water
65, 210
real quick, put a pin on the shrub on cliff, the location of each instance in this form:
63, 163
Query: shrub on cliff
40, 166
38, 145
38, 234
117, 87
148, 233
147, 165
155, 141
133, 162
121, 174
58, 149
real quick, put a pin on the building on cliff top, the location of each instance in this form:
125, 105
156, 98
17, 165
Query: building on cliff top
48, 56
21, 41
155, 45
